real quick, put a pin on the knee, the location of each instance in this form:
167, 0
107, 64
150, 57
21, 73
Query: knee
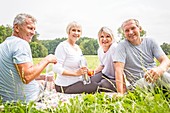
105, 85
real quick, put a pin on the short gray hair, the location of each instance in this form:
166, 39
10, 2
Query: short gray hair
135, 20
20, 18
106, 30
73, 24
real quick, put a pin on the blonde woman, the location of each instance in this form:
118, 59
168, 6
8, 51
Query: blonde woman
105, 76
69, 72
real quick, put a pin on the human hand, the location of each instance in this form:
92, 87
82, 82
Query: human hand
42, 77
152, 75
50, 78
99, 69
82, 71
51, 58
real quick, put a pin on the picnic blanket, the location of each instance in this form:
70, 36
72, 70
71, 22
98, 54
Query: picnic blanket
52, 98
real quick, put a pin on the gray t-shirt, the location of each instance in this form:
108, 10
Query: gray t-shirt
137, 59
15, 51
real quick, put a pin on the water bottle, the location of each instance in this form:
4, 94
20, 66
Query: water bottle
86, 78
49, 77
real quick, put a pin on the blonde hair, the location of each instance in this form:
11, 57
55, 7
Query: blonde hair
73, 24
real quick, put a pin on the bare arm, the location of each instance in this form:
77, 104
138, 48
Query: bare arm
153, 74
29, 71
78, 72
99, 69
120, 80
164, 63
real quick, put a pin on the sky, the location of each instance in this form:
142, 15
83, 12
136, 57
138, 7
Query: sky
53, 16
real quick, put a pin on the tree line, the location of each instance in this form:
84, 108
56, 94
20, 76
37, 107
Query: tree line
41, 48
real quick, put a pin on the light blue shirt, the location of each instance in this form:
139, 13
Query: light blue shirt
13, 51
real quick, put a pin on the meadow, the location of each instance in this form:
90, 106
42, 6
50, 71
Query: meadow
92, 61
156, 100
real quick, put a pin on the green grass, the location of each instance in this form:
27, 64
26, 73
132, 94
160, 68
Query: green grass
37, 60
92, 61
169, 56
137, 101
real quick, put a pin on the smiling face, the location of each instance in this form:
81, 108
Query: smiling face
105, 38
132, 32
25, 30
74, 34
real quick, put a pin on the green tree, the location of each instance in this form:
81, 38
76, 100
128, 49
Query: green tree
52, 44
38, 50
5, 31
166, 48
35, 37
89, 46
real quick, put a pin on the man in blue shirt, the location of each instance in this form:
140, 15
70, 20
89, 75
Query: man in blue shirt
17, 71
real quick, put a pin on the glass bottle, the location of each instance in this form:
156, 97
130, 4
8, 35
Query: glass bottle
49, 77
83, 63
